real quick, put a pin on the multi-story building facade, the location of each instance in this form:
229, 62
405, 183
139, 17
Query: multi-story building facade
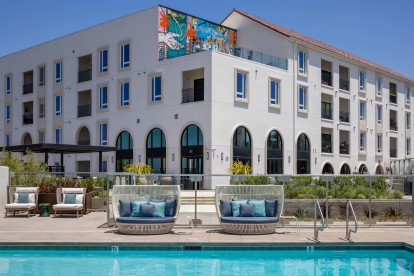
189, 96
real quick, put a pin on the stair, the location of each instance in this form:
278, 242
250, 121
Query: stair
200, 201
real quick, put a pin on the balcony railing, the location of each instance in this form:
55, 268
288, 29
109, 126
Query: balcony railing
393, 98
84, 142
28, 88
326, 77
326, 113
393, 153
28, 119
84, 75
344, 84
393, 125
344, 148
190, 95
260, 57
84, 110
344, 116
326, 147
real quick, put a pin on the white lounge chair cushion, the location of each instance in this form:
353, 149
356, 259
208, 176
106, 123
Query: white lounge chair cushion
67, 206
32, 198
20, 206
79, 198
72, 190
26, 190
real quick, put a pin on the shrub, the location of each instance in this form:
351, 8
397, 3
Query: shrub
300, 213
395, 195
257, 180
374, 211
393, 213
238, 167
140, 168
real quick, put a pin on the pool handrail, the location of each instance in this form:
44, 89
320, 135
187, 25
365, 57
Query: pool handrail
349, 231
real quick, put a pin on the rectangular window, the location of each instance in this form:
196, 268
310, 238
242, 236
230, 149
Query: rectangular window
302, 62
274, 92
408, 120
41, 107
58, 72
379, 143
408, 146
124, 55
8, 84
103, 61
103, 134
362, 77
379, 86
103, 97
362, 141
379, 114
125, 94
104, 165
58, 105
407, 95
42, 75
58, 136
361, 111
156, 92
41, 136
8, 113
8, 140
303, 101
241, 85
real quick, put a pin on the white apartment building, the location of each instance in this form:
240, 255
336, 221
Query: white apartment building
186, 95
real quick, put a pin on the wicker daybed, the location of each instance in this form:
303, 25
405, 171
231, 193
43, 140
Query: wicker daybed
273, 196
16, 204
127, 223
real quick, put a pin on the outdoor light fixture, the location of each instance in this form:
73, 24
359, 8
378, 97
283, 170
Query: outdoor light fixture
222, 156
289, 159
207, 155
173, 157
112, 159
258, 158
139, 158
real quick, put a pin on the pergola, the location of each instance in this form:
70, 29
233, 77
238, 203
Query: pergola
61, 149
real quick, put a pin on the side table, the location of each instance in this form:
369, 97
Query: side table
44, 210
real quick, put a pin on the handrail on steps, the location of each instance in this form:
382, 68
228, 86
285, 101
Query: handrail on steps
349, 231
316, 230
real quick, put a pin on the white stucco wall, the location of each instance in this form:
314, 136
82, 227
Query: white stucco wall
4, 183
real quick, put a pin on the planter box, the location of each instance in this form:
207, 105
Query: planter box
47, 198
99, 204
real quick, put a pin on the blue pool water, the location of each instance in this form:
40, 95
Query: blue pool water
207, 262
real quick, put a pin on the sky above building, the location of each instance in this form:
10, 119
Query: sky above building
381, 31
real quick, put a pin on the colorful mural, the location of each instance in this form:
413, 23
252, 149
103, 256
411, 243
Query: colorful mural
181, 34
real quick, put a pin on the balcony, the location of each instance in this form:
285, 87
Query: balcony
28, 88
190, 95
326, 113
28, 119
84, 110
326, 77
393, 153
393, 98
393, 125
326, 147
344, 148
85, 75
344, 84
344, 116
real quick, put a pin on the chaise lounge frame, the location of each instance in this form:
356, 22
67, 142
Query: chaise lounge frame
245, 192
145, 192
22, 206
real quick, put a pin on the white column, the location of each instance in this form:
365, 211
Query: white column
4, 182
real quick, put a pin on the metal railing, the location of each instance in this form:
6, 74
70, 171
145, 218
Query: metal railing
349, 231
344, 84
326, 77
260, 57
326, 147
393, 125
393, 153
190, 95
326, 112
344, 148
84, 110
28, 119
84, 75
393, 97
344, 116
28, 88
317, 210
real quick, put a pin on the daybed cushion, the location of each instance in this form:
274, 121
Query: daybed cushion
147, 210
63, 206
170, 206
136, 207
235, 207
259, 207
247, 210
159, 208
249, 220
225, 208
141, 220
125, 208
271, 208
20, 206
26, 189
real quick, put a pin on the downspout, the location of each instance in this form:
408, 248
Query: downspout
295, 86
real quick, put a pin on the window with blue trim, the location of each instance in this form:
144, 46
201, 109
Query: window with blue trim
362, 77
124, 55
8, 140
302, 62
58, 136
125, 94
379, 114
104, 165
156, 92
8, 84
8, 113
103, 61
303, 98
103, 134
58, 105
103, 97
58, 72
274, 92
241, 85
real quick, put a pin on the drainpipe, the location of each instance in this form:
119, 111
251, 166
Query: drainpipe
295, 87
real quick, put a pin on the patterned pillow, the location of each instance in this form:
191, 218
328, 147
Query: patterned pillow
136, 207
23, 198
159, 208
259, 207
235, 207
69, 199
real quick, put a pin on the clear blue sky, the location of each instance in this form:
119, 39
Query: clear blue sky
381, 31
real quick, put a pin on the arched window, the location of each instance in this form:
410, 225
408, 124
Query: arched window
274, 153
363, 169
303, 155
84, 137
27, 139
156, 150
345, 169
327, 169
379, 170
124, 150
192, 150
242, 146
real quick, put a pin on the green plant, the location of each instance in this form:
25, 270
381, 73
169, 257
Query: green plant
325, 207
395, 195
393, 213
374, 211
238, 167
257, 180
140, 168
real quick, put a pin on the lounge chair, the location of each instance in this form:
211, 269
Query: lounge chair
70, 199
165, 199
22, 199
260, 221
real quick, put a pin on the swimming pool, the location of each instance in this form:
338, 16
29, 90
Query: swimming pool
298, 260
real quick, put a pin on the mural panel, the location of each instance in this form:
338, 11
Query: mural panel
180, 34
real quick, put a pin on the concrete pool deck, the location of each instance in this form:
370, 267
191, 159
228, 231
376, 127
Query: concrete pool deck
91, 228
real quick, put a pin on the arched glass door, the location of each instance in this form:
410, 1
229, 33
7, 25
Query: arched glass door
345, 169
124, 150
274, 153
242, 147
156, 150
192, 150
327, 169
303, 155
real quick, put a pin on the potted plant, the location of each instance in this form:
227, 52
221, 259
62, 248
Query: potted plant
239, 169
140, 168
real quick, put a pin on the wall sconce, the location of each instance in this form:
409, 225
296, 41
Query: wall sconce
222, 156
173, 157
112, 159
139, 158
316, 160
289, 159
258, 158
207, 155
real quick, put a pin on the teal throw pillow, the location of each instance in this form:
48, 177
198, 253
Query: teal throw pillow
259, 207
23, 198
235, 207
70, 199
136, 207
159, 209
